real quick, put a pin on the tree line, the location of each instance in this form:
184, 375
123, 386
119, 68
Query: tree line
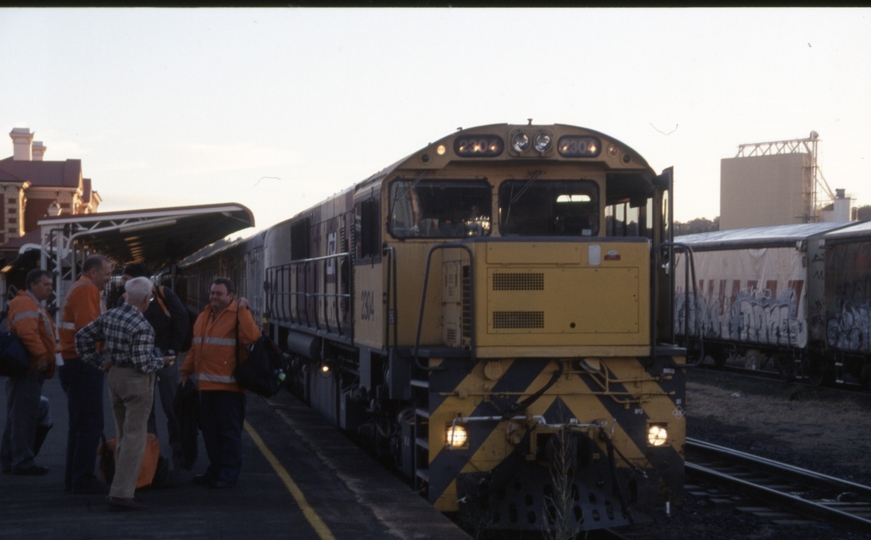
701, 225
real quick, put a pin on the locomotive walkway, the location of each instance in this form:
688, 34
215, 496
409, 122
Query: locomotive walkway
300, 479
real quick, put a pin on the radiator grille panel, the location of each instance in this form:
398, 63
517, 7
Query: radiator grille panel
518, 319
518, 282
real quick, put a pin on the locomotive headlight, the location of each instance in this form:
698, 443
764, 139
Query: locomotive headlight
520, 142
657, 435
440, 150
542, 142
456, 436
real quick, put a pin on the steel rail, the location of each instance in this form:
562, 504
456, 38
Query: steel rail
820, 509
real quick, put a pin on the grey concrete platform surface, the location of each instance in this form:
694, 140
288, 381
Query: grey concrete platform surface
300, 479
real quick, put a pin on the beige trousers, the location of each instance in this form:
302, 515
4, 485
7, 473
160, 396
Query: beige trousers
131, 393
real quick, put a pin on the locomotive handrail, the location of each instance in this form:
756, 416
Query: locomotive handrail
689, 268
432, 250
303, 315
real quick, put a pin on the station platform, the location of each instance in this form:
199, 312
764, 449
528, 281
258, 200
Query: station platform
300, 479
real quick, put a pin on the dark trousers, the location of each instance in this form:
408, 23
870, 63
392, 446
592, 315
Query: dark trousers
83, 384
222, 415
165, 387
22, 418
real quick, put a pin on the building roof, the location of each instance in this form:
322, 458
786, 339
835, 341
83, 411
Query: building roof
756, 237
44, 173
6, 176
153, 236
33, 237
856, 232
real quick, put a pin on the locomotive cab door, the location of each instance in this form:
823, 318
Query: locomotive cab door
663, 273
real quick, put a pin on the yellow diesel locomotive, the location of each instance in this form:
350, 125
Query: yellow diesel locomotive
492, 312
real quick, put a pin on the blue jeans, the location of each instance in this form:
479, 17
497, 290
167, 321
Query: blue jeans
83, 384
222, 415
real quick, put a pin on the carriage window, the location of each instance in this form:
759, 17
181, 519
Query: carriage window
548, 208
439, 208
368, 225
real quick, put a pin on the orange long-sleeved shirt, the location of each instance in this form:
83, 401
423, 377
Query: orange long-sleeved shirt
30, 322
82, 304
213, 350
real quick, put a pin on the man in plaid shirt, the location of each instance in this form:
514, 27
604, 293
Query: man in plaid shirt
131, 361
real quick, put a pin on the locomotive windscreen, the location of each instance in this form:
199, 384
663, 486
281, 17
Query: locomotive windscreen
549, 208
439, 208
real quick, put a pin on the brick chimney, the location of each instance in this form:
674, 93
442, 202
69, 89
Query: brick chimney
21, 139
38, 150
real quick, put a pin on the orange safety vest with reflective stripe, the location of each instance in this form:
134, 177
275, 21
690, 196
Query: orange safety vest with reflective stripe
29, 321
212, 357
82, 304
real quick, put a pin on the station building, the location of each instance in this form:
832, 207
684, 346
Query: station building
33, 189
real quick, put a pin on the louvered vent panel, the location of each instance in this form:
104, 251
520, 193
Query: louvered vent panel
451, 336
518, 319
518, 282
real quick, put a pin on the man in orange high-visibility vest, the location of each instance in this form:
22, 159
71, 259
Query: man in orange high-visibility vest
31, 323
82, 382
212, 359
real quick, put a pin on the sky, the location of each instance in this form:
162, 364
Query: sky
280, 108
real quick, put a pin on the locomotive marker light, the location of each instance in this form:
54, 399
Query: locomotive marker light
657, 435
582, 146
440, 150
478, 146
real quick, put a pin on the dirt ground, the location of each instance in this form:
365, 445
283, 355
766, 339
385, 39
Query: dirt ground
821, 429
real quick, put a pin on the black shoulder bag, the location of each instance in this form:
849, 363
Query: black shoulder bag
260, 372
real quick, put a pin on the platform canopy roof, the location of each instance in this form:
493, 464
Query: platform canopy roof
153, 237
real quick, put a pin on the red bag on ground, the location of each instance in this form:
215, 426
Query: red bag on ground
106, 451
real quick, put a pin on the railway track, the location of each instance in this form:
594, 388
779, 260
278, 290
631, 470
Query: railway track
802, 492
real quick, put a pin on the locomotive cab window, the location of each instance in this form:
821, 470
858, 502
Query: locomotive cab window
548, 208
299, 240
628, 208
368, 229
439, 208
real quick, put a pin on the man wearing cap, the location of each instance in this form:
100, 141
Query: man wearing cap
169, 319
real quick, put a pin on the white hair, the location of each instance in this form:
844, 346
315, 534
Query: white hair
138, 289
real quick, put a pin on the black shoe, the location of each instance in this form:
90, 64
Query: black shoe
203, 479
117, 504
221, 484
33, 470
92, 487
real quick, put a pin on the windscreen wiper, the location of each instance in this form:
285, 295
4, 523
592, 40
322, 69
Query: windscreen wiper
515, 197
409, 188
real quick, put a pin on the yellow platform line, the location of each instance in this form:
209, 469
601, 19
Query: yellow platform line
319, 526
